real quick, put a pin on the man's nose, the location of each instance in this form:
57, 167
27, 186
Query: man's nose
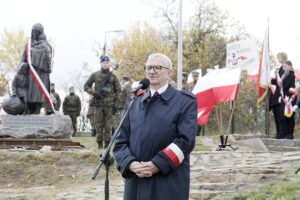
152, 70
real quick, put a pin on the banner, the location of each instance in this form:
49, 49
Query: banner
243, 54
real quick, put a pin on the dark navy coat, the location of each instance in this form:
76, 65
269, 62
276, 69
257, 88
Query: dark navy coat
150, 127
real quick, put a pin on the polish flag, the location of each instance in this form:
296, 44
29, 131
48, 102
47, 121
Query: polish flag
264, 71
218, 85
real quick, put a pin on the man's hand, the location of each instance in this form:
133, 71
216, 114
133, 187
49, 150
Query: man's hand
150, 167
138, 169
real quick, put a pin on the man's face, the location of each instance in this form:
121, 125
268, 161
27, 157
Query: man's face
105, 65
158, 75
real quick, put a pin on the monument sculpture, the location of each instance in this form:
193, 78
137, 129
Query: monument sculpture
37, 53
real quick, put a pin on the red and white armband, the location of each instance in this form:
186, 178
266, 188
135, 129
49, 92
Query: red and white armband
174, 153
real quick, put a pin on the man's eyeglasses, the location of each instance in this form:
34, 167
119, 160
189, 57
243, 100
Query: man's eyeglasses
155, 68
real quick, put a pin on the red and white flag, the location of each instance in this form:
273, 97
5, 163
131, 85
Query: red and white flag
264, 70
218, 85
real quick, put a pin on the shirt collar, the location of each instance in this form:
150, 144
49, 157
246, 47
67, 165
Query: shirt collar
160, 90
165, 96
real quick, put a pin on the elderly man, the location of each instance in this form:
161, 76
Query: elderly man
158, 134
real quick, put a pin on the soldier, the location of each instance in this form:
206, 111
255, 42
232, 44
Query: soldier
184, 81
195, 76
125, 96
72, 107
20, 87
91, 115
106, 99
125, 91
57, 101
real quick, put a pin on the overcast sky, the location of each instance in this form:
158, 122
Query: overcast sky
75, 25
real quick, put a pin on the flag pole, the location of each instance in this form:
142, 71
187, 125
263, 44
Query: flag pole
232, 109
223, 140
179, 67
231, 117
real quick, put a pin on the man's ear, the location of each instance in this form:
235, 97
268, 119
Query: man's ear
170, 72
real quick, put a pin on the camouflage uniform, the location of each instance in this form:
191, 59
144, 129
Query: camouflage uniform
184, 81
72, 107
195, 75
125, 96
91, 116
106, 106
56, 105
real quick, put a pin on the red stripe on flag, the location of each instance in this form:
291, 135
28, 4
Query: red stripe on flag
173, 157
203, 116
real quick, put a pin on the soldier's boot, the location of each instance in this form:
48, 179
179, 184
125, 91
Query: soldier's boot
100, 145
93, 134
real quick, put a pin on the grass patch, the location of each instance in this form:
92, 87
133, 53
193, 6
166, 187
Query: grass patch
88, 142
14, 198
288, 190
206, 146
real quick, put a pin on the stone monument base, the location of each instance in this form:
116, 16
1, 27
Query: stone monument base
35, 126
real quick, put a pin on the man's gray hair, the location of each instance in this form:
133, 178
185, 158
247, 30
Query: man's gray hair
158, 59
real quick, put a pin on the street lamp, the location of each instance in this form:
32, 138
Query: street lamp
179, 69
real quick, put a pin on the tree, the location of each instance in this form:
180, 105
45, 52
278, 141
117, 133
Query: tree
11, 48
135, 47
207, 34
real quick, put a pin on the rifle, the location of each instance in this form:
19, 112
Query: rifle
101, 90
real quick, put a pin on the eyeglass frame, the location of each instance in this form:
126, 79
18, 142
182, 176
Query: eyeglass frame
159, 68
